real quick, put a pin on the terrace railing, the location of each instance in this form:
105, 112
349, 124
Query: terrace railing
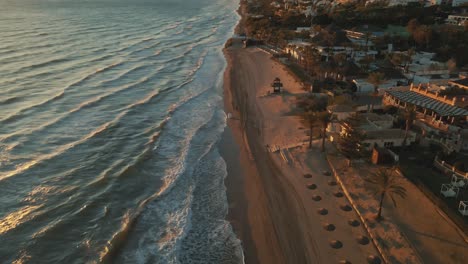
447, 168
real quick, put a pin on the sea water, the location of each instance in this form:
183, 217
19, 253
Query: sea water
110, 115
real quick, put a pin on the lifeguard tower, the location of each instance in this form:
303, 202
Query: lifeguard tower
277, 85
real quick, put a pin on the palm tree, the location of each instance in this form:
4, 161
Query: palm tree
376, 79
409, 115
312, 58
409, 58
311, 102
367, 35
365, 62
329, 38
324, 118
309, 118
350, 142
387, 183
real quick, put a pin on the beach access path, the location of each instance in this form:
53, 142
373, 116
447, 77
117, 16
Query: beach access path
284, 217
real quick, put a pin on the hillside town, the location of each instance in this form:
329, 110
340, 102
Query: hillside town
384, 88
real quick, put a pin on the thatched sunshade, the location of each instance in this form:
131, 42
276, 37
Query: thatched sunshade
322, 211
329, 227
332, 183
354, 222
336, 244
373, 260
363, 240
346, 208
317, 198
338, 194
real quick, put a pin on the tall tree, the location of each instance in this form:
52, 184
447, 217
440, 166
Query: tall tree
324, 118
367, 35
350, 140
340, 59
312, 59
387, 183
408, 58
311, 105
376, 79
330, 38
365, 62
309, 118
409, 115
413, 25
312, 102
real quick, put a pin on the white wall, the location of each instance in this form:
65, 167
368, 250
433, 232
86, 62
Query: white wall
397, 142
458, 2
343, 115
364, 87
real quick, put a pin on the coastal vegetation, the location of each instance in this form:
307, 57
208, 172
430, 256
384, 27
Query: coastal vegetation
324, 118
309, 119
376, 79
350, 142
386, 184
314, 113
409, 116
413, 26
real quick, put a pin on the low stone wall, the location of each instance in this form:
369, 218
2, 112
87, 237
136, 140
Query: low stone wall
363, 220
415, 258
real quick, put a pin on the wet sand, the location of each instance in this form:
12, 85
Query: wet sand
263, 205
271, 208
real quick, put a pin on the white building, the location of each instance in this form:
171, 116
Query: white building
363, 86
380, 136
302, 29
395, 2
388, 138
296, 49
341, 111
459, 2
373, 121
458, 20
440, 118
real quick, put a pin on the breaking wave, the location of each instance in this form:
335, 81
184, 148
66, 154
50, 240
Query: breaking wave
111, 118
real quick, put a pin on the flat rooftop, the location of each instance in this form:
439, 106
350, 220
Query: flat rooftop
393, 133
373, 117
441, 108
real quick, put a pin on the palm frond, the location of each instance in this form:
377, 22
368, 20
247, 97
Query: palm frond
393, 200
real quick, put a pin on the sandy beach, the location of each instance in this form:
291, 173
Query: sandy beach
274, 212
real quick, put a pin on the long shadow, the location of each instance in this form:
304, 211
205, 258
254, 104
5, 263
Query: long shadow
437, 238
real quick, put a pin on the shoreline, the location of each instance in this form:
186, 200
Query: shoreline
270, 208
273, 209
263, 205
233, 151
240, 188
253, 210
270, 205
237, 201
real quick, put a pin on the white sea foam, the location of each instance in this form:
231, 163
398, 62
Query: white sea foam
126, 128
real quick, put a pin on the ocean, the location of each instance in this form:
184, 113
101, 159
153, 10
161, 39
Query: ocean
110, 116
